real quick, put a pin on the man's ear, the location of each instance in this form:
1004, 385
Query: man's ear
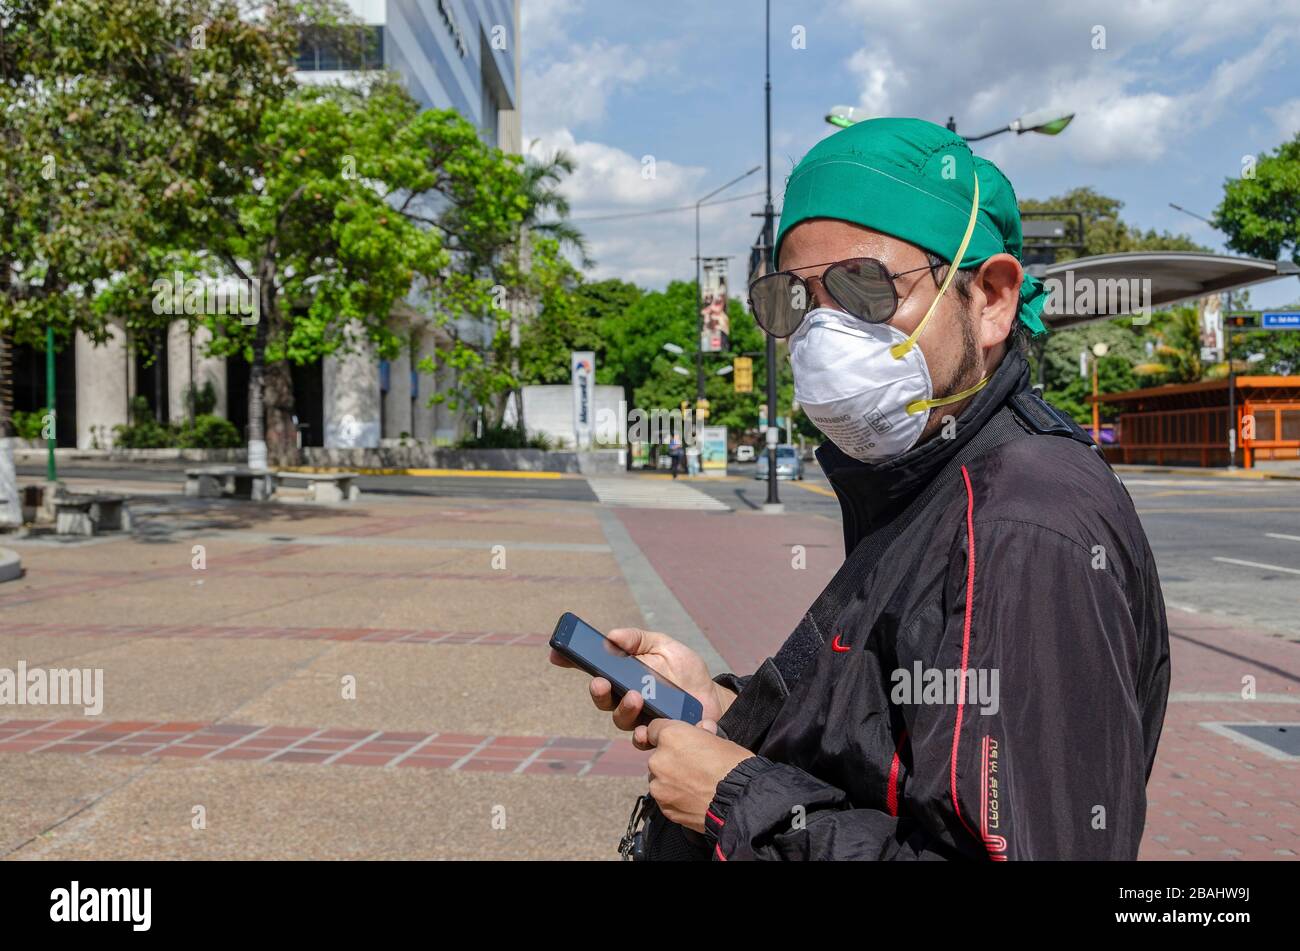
998, 299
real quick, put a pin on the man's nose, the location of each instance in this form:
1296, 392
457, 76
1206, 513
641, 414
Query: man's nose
817, 291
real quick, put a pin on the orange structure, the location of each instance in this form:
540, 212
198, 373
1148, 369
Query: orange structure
1188, 422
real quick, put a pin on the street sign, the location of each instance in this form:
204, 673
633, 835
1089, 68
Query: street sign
743, 374
1267, 320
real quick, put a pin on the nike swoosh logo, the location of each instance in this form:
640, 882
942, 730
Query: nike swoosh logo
838, 647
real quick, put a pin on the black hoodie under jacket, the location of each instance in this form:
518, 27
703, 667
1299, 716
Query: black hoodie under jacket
993, 690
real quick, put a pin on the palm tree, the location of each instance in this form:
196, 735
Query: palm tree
547, 216
1178, 352
542, 178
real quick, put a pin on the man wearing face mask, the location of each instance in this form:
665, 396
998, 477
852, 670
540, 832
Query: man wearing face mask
986, 676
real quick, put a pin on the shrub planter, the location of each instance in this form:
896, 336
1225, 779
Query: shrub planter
431, 457
218, 456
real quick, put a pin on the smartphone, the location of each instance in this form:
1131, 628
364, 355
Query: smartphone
599, 656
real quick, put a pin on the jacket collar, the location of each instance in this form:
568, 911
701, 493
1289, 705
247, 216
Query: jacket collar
872, 493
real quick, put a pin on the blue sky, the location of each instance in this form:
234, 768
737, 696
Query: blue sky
1166, 111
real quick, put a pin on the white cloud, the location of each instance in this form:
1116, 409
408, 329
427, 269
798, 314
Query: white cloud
875, 71
647, 249
568, 86
1129, 105
1286, 117
544, 23
575, 90
610, 179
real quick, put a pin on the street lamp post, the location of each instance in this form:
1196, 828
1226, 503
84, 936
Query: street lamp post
1043, 121
773, 503
699, 295
1099, 350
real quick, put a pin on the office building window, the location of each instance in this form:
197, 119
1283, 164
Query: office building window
341, 48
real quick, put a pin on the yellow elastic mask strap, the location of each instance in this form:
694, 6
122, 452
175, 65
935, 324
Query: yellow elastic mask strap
899, 350
920, 406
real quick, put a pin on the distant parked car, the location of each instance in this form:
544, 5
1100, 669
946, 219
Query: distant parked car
744, 453
788, 464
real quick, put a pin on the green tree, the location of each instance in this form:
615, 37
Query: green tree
1260, 212
636, 356
117, 117
1177, 350
1104, 232
353, 201
520, 273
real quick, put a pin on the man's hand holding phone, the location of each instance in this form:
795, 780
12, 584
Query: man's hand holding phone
674, 661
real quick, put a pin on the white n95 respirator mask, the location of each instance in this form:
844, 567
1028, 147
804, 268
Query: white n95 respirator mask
852, 387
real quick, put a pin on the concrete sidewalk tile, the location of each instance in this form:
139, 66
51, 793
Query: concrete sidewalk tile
344, 812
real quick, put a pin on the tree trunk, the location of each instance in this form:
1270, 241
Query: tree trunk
281, 434
11, 512
256, 413
6, 387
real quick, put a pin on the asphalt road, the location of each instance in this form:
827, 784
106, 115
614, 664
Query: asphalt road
1227, 546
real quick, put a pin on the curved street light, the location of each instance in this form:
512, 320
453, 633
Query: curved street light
1042, 121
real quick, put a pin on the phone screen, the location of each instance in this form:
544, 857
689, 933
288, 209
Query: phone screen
601, 655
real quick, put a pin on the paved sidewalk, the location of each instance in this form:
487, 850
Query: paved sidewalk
370, 680
359, 681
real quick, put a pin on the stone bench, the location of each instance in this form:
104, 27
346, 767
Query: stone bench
91, 514
11, 566
215, 482
324, 487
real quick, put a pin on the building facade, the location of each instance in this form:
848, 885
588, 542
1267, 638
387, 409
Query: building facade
457, 54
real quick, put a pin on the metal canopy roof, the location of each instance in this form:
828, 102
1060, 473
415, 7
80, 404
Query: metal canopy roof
1112, 285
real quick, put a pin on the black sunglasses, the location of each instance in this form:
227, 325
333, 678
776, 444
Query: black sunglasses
863, 287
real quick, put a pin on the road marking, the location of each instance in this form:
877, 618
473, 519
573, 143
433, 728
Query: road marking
1288, 538
692, 478
1198, 483
437, 473
1197, 696
1168, 492
1210, 511
634, 492
816, 488
1256, 564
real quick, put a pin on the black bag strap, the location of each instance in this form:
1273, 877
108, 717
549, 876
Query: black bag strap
813, 630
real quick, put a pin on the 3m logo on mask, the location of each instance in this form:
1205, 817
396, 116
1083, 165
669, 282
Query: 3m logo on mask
877, 421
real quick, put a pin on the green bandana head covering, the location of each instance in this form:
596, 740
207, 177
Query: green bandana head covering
914, 180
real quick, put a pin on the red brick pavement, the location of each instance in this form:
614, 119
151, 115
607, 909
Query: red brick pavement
530, 755
1208, 797
735, 573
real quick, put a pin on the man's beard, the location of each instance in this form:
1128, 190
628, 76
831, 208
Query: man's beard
971, 367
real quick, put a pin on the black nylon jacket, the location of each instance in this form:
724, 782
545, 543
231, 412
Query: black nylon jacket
1031, 567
